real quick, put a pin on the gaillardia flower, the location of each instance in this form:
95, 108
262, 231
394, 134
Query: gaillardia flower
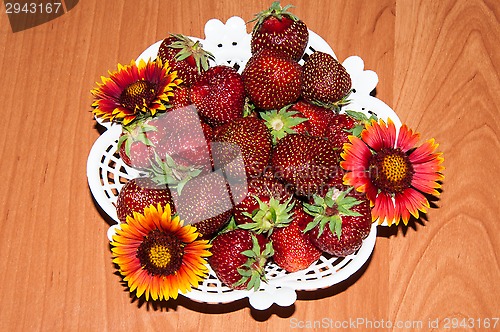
134, 90
159, 256
393, 172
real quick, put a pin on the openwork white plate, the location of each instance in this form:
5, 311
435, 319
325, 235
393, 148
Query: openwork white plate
230, 44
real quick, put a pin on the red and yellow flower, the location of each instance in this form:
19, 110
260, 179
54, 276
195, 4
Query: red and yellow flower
134, 90
158, 255
394, 173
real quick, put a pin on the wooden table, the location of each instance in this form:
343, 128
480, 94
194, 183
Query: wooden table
438, 64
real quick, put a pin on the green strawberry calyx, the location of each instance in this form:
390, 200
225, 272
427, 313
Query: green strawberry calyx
253, 269
335, 106
165, 171
270, 215
281, 122
361, 120
188, 47
328, 210
274, 10
135, 132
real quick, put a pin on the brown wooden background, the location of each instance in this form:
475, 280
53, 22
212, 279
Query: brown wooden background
438, 64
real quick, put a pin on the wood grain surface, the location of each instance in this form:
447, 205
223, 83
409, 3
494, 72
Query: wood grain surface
438, 64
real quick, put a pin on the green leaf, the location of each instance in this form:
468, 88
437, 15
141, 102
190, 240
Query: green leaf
244, 272
311, 225
357, 130
268, 250
338, 227
357, 115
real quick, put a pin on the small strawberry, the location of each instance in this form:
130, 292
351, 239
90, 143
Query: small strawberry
238, 258
318, 118
339, 130
293, 251
325, 81
341, 221
343, 125
136, 145
136, 154
140, 193
276, 28
253, 143
272, 80
219, 95
185, 56
305, 162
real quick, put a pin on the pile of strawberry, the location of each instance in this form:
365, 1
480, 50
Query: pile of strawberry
283, 117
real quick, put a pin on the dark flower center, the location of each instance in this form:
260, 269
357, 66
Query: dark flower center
390, 170
160, 253
138, 94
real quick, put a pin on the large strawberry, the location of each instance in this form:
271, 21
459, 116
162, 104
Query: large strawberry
140, 193
185, 56
182, 135
276, 28
238, 258
205, 203
341, 221
272, 79
305, 162
293, 250
171, 147
219, 95
325, 81
246, 137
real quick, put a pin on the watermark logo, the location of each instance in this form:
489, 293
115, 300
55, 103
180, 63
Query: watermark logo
28, 14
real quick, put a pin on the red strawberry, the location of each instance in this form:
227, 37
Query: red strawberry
339, 130
140, 193
205, 203
178, 148
305, 162
278, 29
272, 80
219, 95
181, 135
343, 125
267, 205
325, 80
238, 258
136, 145
136, 154
185, 56
318, 118
342, 220
293, 251
252, 138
